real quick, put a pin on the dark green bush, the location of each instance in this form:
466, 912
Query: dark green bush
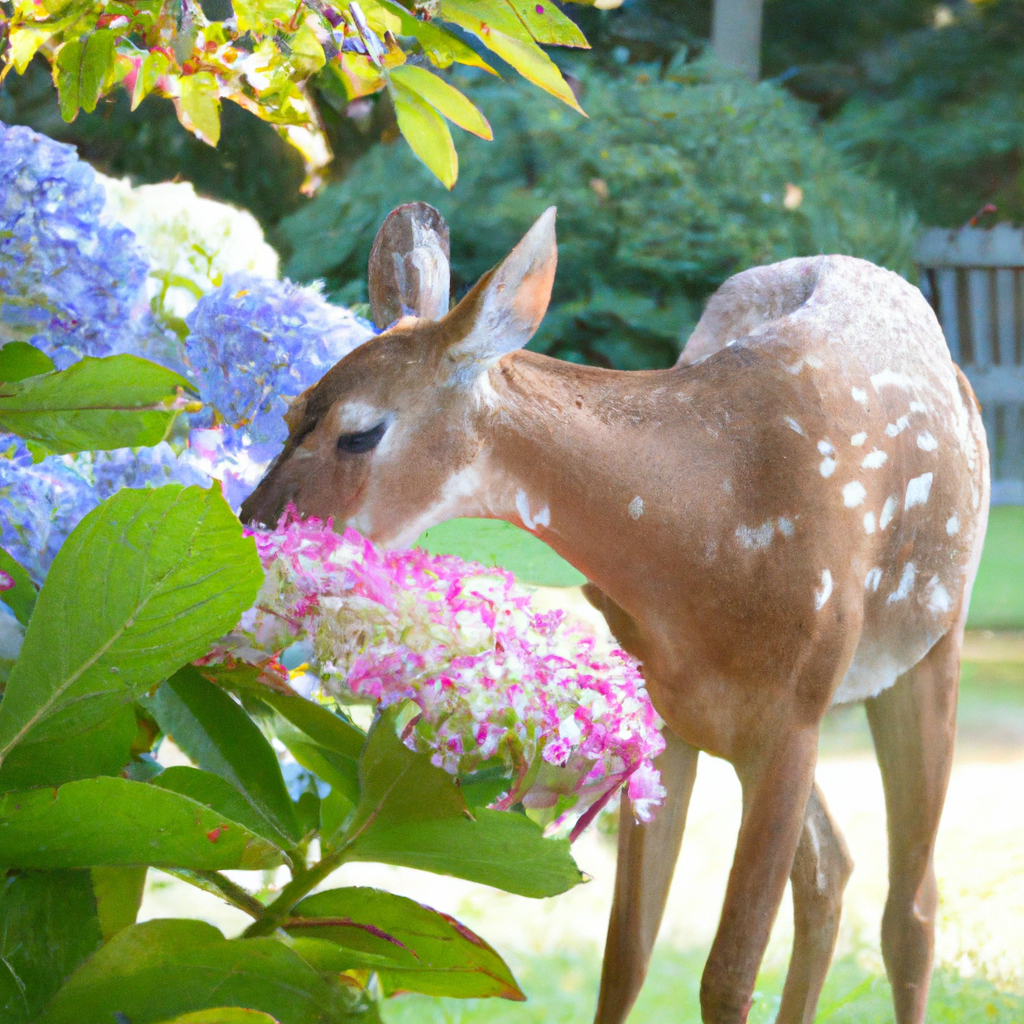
674, 183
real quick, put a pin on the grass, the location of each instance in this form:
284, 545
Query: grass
563, 989
998, 598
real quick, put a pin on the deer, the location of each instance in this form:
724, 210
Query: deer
788, 519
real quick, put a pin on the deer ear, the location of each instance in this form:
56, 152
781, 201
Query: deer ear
409, 272
506, 306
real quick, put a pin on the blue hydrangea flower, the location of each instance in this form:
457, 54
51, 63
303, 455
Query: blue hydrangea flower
70, 282
147, 467
254, 341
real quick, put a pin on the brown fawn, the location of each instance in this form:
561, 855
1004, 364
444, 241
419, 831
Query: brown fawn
788, 519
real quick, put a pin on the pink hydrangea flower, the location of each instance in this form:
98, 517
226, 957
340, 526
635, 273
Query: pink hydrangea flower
490, 677
6, 581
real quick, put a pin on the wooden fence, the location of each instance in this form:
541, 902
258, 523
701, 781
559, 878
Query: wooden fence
974, 278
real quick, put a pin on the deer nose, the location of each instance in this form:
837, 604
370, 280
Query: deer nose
265, 505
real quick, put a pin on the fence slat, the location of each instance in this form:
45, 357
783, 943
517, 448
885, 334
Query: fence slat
1013, 441
1006, 316
949, 314
979, 288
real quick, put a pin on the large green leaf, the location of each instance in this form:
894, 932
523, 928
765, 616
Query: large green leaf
444, 98
411, 946
223, 1015
412, 814
118, 823
19, 359
145, 583
497, 26
82, 64
76, 752
115, 402
214, 792
495, 542
21, 597
427, 134
218, 736
547, 24
118, 893
154, 971
48, 926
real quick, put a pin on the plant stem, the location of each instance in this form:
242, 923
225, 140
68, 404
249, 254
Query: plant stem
214, 882
298, 887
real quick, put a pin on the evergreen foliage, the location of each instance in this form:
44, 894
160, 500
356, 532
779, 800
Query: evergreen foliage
674, 183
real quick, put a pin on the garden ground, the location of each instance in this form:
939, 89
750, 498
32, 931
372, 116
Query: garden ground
554, 945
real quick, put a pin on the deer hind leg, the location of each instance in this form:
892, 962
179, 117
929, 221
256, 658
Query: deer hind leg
776, 784
647, 858
821, 869
914, 725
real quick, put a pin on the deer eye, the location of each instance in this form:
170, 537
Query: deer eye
364, 441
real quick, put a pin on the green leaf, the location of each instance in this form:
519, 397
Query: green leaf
120, 823
82, 65
547, 24
118, 893
442, 47
115, 402
199, 106
48, 926
427, 134
154, 971
73, 752
421, 950
494, 542
21, 598
19, 359
498, 28
412, 814
217, 734
146, 582
214, 792
223, 1015
443, 97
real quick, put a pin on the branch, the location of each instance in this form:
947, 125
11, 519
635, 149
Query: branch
214, 882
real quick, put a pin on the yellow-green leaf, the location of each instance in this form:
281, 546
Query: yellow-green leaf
547, 24
444, 98
307, 53
152, 66
258, 16
441, 47
199, 106
427, 134
482, 18
25, 40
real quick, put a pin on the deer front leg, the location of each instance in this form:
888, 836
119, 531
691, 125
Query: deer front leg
821, 870
776, 782
643, 874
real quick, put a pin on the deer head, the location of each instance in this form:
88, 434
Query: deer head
402, 406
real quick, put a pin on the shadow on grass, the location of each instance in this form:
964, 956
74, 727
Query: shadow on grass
563, 990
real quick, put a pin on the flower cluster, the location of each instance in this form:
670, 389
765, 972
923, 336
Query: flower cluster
70, 280
494, 681
254, 341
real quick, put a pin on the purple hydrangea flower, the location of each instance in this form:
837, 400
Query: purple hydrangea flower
255, 341
70, 282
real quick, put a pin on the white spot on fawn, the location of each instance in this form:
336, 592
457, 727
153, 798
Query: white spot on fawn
827, 467
953, 524
888, 511
814, 361
853, 494
727, 486
824, 592
874, 459
636, 507
918, 407
869, 522
858, 439
939, 600
859, 395
755, 538
873, 578
884, 377
906, 584
918, 490
542, 518
893, 429
794, 426
826, 448
926, 442
786, 527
